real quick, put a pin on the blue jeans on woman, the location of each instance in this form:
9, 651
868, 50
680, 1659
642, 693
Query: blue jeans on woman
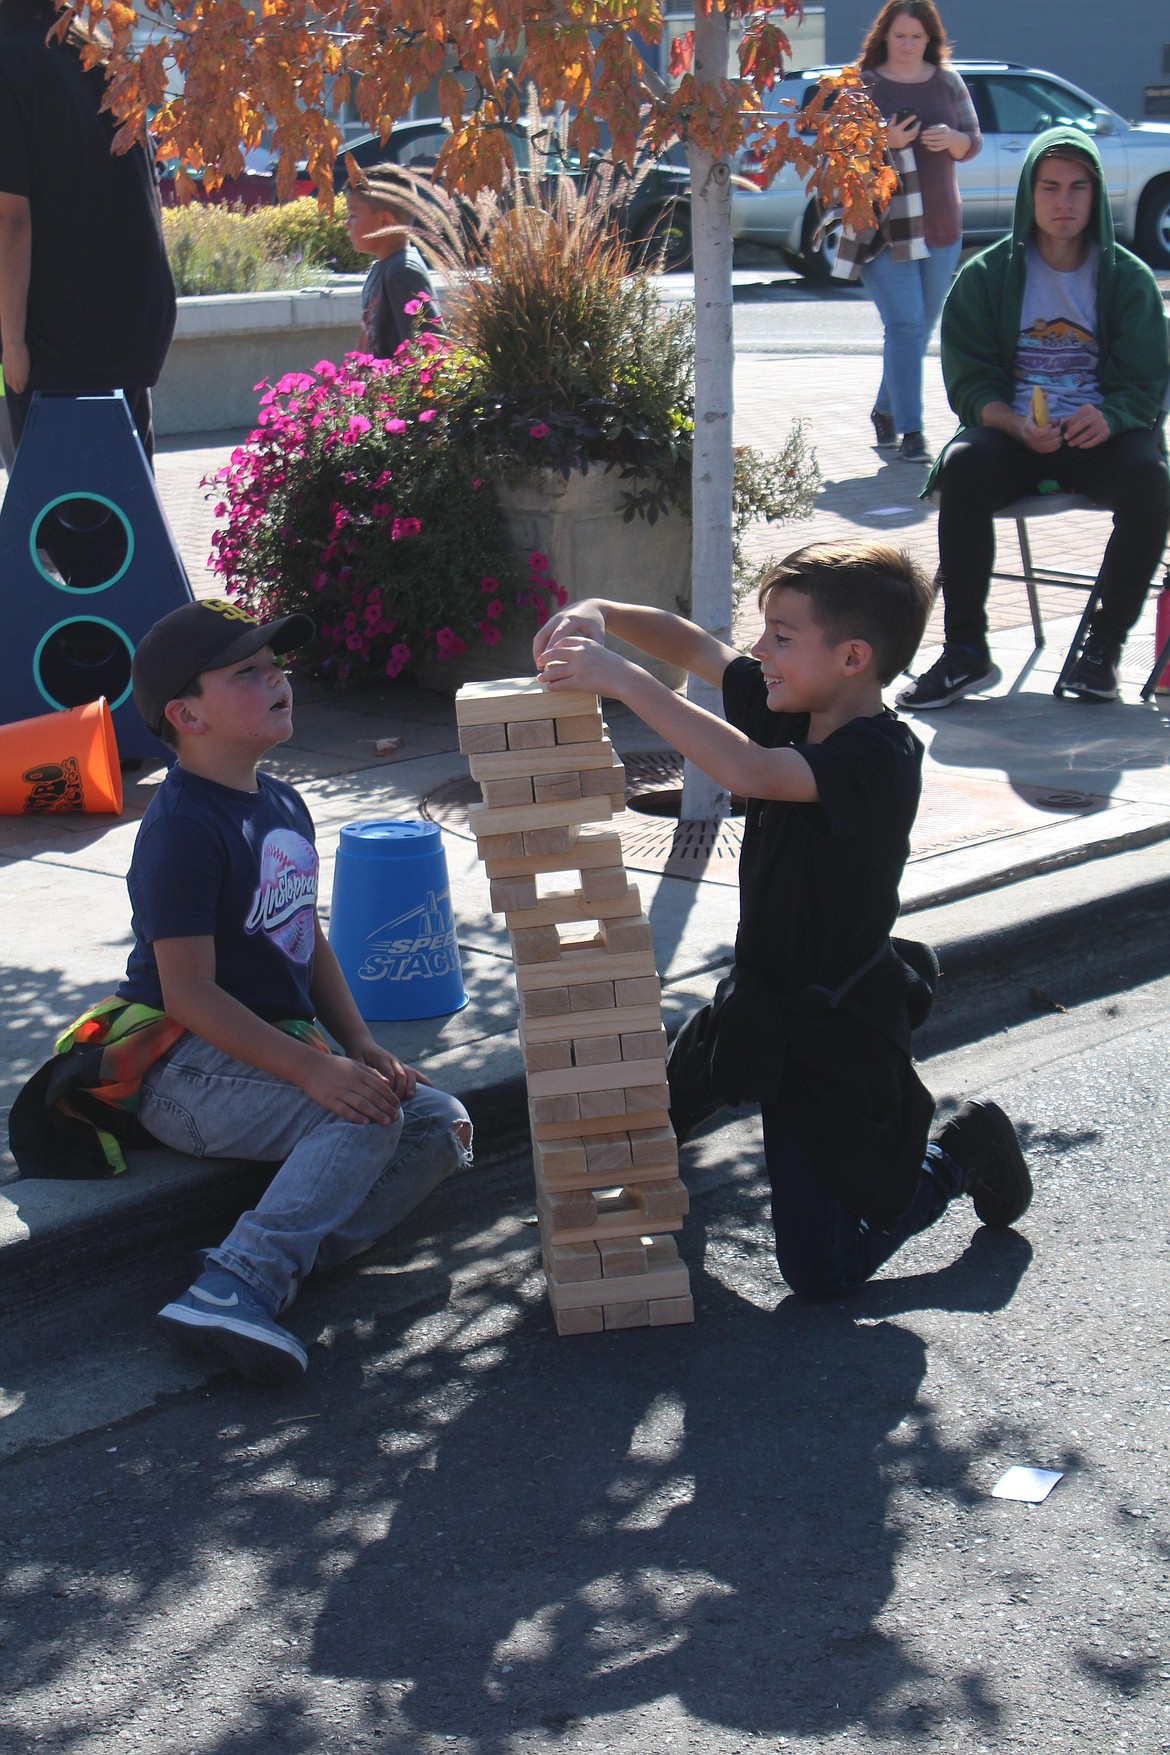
340, 1185
909, 297
824, 1250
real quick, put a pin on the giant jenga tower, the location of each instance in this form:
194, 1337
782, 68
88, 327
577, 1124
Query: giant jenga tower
607, 1183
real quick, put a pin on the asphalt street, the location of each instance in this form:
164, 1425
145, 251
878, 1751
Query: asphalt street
772, 1530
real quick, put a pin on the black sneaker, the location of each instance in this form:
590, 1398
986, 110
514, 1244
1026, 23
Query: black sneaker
886, 433
913, 449
983, 1143
1094, 675
957, 672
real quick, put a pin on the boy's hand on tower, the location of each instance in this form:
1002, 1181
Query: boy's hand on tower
578, 661
347, 1088
583, 620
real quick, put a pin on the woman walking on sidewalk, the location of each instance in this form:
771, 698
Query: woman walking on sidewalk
908, 263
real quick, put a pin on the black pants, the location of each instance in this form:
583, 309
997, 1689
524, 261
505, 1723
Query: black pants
985, 470
137, 401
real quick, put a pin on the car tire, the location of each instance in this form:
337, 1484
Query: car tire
817, 260
666, 239
1152, 232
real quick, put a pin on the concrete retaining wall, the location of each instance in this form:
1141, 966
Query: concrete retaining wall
226, 343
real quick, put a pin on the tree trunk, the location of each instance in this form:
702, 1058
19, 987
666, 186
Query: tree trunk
711, 566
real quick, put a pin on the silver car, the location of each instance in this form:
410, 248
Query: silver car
1013, 105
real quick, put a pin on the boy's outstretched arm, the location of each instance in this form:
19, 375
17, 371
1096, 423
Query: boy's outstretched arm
192, 996
656, 632
731, 759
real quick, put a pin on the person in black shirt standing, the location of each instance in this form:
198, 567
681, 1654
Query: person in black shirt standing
814, 1022
87, 303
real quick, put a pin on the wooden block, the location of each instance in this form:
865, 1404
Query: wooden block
531, 734
597, 1050
524, 818
559, 759
661, 1200
555, 1024
494, 847
541, 843
535, 944
500, 793
664, 1311
548, 1002
587, 1321
585, 1126
514, 896
519, 698
597, 885
568, 1209
547, 1056
571, 1263
560, 1160
600, 1103
608, 1155
576, 967
582, 727
627, 935
617, 1075
621, 1255
658, 1095
655, 1146
661, 1252
547, 788
605, 1228
643, 1044
611, 780
644, 991
590, 996
589, 851
555, 1111
477, 740
671, 1280
566, 907
633, 1315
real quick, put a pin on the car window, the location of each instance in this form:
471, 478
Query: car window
977, 88
422, 150
1026, 104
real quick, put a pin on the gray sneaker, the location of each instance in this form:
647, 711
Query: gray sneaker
1094, 675
956, 673
220, 1320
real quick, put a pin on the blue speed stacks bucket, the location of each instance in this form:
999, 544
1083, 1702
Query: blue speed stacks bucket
391, 924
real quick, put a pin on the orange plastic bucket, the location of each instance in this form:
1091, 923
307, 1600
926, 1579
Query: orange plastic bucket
61, 762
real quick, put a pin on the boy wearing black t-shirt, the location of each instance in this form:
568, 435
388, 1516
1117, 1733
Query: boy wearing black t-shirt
814, 1022
228, 945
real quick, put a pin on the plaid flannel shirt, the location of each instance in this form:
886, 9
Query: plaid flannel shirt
902, 228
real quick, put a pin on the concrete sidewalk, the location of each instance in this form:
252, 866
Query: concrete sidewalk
1032, 806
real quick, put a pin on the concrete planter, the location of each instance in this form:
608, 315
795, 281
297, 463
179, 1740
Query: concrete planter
226, 343
592, 551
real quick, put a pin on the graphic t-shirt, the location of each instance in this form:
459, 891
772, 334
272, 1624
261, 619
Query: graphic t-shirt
239, 867
1058, 336
819, 882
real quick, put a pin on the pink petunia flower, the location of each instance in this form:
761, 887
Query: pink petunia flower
538, 563
538, 430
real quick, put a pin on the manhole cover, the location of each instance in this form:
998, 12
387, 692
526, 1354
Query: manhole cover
650, 841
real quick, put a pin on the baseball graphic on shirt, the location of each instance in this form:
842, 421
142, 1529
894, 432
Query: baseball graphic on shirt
287, 895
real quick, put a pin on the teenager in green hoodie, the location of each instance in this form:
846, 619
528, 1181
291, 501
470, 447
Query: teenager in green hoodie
1058, 306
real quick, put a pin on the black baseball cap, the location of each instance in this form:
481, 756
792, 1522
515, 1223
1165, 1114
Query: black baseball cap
208, 635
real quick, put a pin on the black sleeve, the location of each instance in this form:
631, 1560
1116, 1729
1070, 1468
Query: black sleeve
866, 775
175, 880
15, 134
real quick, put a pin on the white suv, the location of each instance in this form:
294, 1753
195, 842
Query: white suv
1013, 104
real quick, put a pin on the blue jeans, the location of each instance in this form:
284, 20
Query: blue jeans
824, 1251
909, 297
340, 1186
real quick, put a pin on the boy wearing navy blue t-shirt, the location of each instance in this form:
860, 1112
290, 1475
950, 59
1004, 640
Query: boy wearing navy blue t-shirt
228, 944
814, 1021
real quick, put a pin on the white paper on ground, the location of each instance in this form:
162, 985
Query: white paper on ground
889, 511
1030, 1485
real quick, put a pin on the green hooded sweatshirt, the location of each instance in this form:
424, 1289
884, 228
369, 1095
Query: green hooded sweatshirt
981, 317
